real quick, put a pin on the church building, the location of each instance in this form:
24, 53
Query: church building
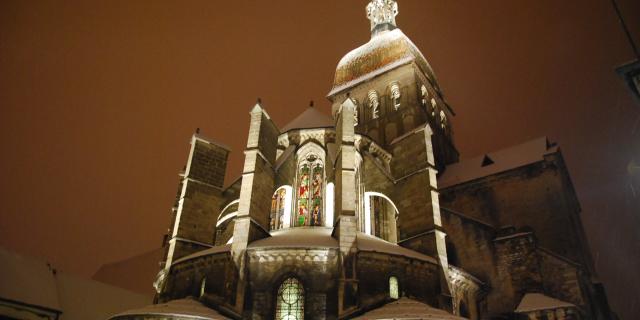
369, 213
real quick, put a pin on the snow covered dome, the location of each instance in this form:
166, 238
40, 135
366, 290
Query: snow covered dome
385, 51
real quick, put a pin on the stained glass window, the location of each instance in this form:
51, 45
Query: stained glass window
310, 190
393, 288
290, 305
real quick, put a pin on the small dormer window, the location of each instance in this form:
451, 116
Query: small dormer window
374, 104
424, 94
395, 95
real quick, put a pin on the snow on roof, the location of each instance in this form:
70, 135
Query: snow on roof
300, 237
206, 252
183, 308
28, 281
538, 301
503, 160
89, 299
384, 52
366, 242
406, 308
33, 282
310, 118
320, 237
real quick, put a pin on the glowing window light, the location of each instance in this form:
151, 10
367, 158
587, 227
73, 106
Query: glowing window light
328, 222
202, 286
393, 288
290, 305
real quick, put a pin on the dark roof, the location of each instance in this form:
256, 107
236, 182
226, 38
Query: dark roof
309, 119
496, 162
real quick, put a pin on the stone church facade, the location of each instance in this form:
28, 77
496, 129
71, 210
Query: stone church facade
370, 213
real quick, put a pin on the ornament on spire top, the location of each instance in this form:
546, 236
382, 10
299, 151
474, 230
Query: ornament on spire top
382, 12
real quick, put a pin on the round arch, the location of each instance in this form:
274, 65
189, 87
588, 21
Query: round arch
391, 229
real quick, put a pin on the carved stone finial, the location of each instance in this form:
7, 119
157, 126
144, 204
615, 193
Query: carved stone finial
382, 12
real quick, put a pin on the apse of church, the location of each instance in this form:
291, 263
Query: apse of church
369, 213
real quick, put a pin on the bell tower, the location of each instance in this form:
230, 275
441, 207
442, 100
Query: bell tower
393, 87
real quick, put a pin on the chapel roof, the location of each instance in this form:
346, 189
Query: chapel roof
405, 308
538, 301
496, 162
309, 119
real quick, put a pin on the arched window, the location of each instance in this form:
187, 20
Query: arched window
280, 208
434, 106
443, 120
374, 104
395, 95
290, 300
202, 286
393, 288
424, 95
311, 183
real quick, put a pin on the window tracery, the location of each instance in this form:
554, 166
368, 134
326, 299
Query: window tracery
290, 300
311, 183
374, 104
395, 95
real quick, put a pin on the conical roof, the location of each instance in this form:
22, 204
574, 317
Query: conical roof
309, 119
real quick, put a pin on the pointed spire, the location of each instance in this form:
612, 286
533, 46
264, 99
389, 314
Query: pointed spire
382, 14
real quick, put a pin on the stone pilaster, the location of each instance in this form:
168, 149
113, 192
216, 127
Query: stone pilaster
420, 225
256, 191
345, 205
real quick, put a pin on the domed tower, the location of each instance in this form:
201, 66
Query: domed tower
393, 87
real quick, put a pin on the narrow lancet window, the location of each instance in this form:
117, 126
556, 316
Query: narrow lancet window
374, 104
290, 304
393, 288
395, 95
310, 190
434, 106
278, 202
443, 120
424, 95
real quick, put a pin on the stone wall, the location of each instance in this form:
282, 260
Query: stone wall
534, 196
316, 269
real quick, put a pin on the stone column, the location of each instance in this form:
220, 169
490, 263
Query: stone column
345, 205
256, 191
